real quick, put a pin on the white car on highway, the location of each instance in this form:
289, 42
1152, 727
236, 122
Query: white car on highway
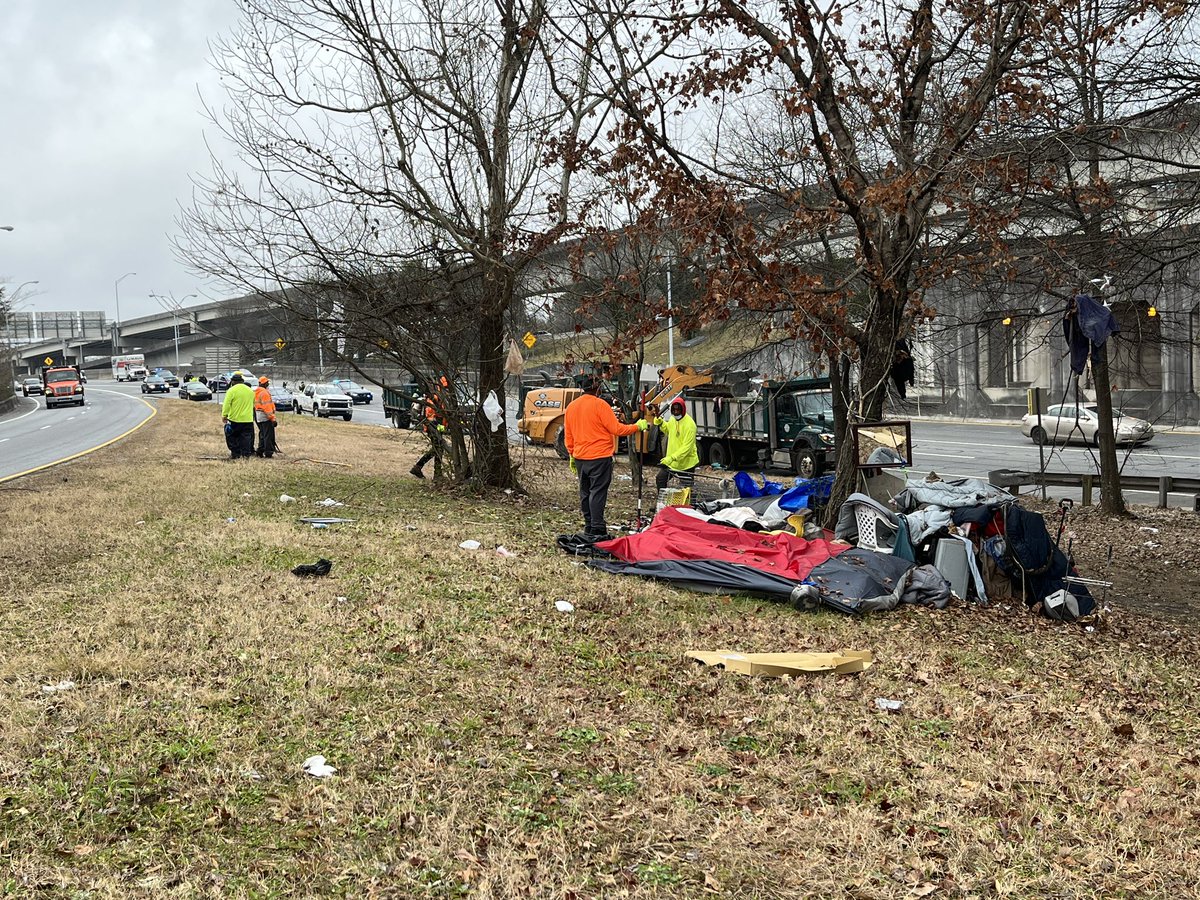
323, 401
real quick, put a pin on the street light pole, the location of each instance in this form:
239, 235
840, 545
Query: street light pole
117, 296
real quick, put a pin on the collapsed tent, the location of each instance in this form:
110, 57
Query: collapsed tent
680, 549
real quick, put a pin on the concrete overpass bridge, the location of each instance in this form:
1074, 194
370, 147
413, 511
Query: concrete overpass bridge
187, 339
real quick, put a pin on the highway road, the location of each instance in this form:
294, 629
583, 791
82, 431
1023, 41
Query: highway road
948, 448
33, 438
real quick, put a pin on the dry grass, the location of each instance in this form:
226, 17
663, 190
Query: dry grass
489, 746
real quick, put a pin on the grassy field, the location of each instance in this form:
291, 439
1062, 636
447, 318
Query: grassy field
489, 746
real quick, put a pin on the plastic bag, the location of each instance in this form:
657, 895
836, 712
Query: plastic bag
514, 363
493, 410
746, 486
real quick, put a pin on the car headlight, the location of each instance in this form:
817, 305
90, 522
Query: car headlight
827, 438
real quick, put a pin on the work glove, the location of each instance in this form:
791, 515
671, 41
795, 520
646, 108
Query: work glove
571, 463
642, 424
228, 427
441, 428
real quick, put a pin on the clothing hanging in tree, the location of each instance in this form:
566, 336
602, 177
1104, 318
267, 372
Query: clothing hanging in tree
1087, 323
904, 370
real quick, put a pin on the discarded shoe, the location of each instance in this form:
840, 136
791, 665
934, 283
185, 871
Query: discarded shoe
319, 569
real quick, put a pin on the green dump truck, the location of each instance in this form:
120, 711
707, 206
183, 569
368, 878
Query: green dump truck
770, 425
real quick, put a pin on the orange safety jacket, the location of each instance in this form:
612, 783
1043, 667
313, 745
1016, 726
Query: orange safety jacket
264, 405
589, 428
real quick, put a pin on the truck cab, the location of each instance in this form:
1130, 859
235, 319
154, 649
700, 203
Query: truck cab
62, 386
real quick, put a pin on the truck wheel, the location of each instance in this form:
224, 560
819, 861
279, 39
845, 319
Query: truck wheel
556, 437
804, 463
719, 455
346, 417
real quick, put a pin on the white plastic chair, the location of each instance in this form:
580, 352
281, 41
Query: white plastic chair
874, 527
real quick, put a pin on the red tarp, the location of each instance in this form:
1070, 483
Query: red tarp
678, 536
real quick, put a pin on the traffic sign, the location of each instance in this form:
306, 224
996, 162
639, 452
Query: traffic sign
529, 340
280, 343
49, 360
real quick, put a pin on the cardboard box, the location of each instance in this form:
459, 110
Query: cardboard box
776, 665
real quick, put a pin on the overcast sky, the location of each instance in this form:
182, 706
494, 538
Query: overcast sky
101, 127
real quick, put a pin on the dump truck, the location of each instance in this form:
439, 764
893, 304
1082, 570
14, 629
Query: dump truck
63, 386
773, 425
402, 405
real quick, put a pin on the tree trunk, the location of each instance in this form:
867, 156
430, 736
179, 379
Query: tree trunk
1112, 500
492, 465
877, 350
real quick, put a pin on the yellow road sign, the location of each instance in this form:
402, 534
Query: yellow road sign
529, 340
280, 343
49, 360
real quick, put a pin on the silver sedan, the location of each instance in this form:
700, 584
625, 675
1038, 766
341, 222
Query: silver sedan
1063, 424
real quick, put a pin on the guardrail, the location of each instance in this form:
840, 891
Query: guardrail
1087, 482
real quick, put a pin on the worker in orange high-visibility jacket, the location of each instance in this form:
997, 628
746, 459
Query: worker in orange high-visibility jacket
433, 423
589, 427
264, 417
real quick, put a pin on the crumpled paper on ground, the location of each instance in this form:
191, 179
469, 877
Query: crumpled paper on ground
317, 767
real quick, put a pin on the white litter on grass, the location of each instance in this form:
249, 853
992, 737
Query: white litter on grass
329, 501
889, 705
231, 520
341, 599
140, 522
1149, 529
564, 606
285, 498
64, 685
319, 525
317, 768
245, 496
1152, 545
505, 552
469, 545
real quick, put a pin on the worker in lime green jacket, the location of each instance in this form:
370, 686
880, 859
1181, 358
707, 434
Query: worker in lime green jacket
681, 458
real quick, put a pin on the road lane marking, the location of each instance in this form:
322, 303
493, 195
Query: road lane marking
125, 434
943, 455
44, 427
36, 407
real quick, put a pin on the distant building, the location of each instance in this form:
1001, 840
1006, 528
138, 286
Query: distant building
32, 326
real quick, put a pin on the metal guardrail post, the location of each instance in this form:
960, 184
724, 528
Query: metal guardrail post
1164, 488
1086, 484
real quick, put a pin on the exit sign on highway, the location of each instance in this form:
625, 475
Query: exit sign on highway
280, 343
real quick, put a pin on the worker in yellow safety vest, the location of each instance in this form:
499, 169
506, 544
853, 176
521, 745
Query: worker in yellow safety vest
681, 458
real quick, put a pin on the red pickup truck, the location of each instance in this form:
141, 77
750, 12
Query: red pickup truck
63, 386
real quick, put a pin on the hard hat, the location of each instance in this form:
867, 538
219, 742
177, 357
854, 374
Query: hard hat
264, 381
236, 378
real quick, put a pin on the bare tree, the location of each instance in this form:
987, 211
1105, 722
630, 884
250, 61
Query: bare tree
1113, 190
380, 138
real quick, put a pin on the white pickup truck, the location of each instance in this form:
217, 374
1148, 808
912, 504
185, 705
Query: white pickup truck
323, 401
